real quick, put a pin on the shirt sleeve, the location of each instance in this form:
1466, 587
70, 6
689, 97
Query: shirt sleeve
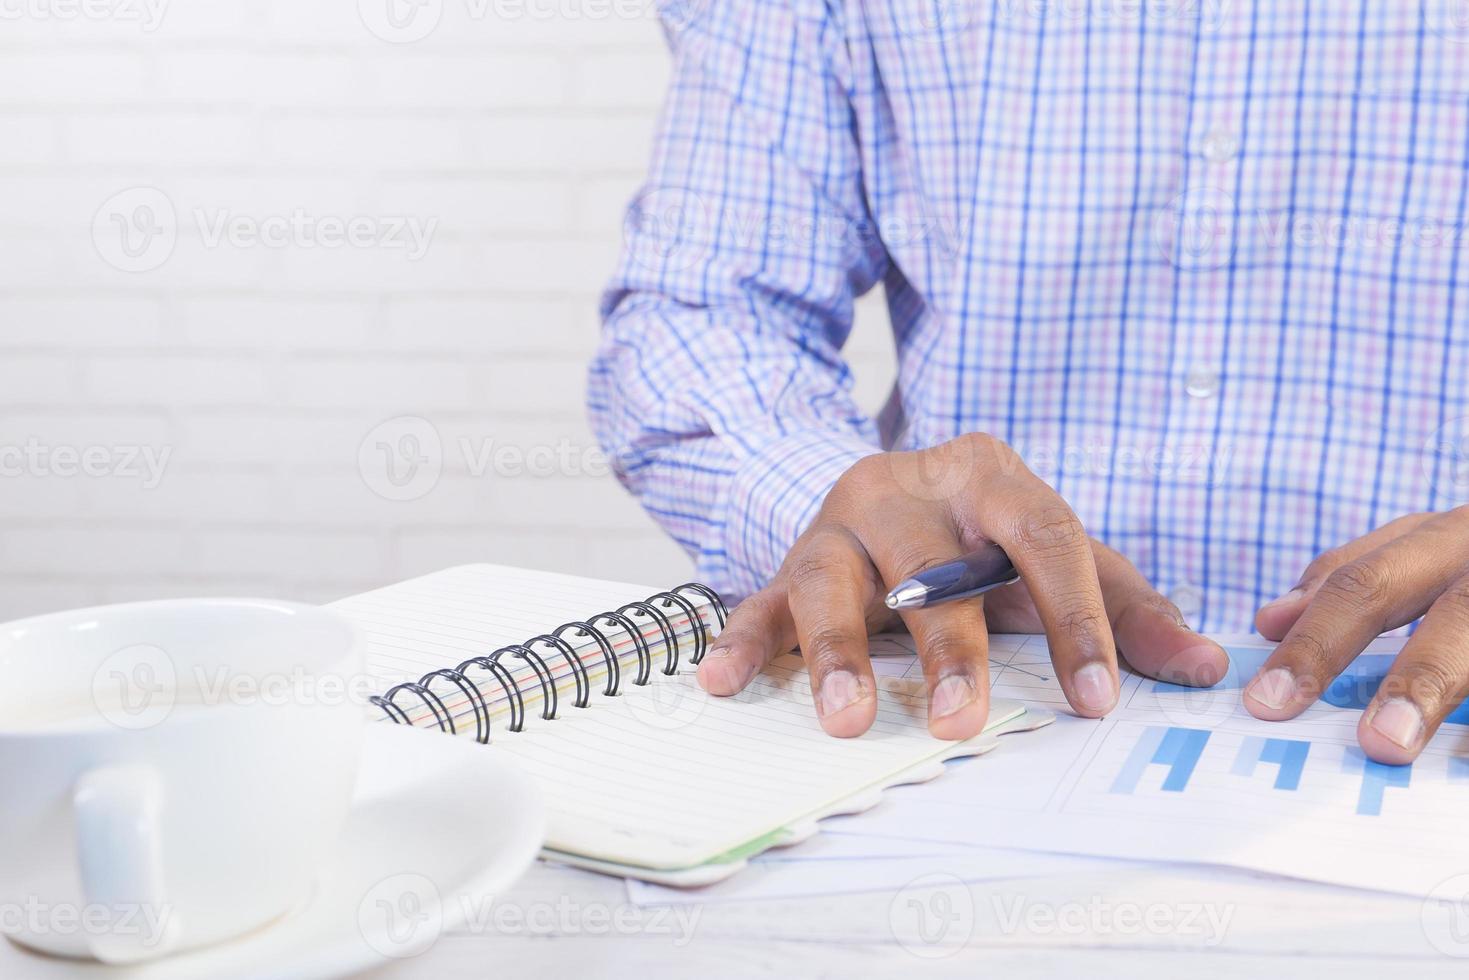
719, 390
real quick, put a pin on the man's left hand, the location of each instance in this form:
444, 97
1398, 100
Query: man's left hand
1414, 566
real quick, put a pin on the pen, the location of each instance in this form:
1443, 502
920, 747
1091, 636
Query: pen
974, 574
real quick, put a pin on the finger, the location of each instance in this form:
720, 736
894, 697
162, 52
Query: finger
1275, 618
759, 630
1381, 590
830, 584
1150, 631
1053, 554
1428, 680
952, 641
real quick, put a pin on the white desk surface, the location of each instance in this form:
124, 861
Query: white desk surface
1275, 928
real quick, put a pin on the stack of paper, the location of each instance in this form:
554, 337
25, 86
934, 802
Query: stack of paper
1172, 775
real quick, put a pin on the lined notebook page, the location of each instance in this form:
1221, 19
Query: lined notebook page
662, 776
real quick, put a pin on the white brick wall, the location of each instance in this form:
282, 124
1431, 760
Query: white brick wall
255, 372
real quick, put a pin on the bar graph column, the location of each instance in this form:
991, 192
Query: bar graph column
1376, 780
1176, 748
1287, 754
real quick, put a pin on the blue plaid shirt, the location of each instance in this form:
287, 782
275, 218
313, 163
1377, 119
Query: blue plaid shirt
1201, 262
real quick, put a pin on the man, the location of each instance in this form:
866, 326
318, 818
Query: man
1184, 275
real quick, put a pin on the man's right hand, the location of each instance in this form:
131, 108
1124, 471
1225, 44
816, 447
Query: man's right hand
895, 514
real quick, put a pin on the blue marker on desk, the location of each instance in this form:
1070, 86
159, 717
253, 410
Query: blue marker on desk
974, 574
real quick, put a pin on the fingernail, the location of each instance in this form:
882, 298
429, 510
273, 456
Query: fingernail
1399, 721
1292, 596
1275, 689
717, 652
954, 693
840, 689
1094, 688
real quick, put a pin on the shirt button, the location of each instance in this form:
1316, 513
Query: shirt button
1188, 598
1221, 146
1201, 383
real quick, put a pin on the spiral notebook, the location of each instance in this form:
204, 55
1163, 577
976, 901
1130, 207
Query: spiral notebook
644, 775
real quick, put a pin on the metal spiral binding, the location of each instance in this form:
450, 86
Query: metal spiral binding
624, 618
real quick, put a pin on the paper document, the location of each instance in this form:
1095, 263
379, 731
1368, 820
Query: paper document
1181, 774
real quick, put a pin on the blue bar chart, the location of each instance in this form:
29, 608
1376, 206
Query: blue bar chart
1288, 755
1177, 749
1377, 779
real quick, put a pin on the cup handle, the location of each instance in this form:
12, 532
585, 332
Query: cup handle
120, 857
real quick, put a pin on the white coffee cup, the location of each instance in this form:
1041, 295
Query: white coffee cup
172, 772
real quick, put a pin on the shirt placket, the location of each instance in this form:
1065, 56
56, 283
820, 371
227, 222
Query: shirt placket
1209, 223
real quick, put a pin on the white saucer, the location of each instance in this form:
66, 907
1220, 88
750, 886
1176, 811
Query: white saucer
438, 825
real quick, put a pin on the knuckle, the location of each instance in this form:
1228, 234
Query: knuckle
756, 612
910, 558
824, 657
1081, 624
1359, 584
1456, 599
943, 648
1321, 566
1311, 650
1049, 530
813, 567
